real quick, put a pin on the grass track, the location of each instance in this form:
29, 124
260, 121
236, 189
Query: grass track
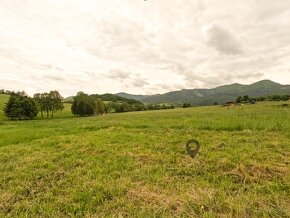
136, 164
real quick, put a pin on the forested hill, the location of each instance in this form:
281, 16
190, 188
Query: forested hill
130, 96
115, 98
109, 97
219, 94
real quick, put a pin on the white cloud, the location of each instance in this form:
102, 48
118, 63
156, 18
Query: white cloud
141, 46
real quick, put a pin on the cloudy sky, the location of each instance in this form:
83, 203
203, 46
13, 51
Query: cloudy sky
141, 47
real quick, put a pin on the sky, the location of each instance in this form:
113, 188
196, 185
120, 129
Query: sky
141, 47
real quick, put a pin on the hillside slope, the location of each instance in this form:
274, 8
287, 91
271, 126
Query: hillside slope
219, 94
130, 96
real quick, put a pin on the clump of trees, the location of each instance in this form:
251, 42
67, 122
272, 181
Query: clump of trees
242, 99
2, 91
86, 105
20, 107
49, 103
120, 107
186, 105
159, 106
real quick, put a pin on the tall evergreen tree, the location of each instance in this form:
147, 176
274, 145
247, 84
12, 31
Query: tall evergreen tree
20, 106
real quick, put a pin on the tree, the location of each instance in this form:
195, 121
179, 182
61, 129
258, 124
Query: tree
100, 106
126, 107
139, 107
45, 102
49, 102
55, 102
83, 105
39, 99
245, 98
108, 108
239, 99
186, 105
114, 107
20, 106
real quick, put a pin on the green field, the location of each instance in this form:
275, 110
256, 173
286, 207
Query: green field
136, 164
3, 100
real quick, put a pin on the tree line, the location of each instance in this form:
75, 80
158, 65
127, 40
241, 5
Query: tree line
22, 107
246, 98
88, 105
3, 91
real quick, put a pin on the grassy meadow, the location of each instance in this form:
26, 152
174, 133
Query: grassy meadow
3, 100
135, 164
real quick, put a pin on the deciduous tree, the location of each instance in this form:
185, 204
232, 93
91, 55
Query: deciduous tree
83, 105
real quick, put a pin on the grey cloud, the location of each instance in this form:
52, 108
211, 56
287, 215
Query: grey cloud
127, 78
53, 77
247, 64
22, 60
269, 9
194, 78
47, 66
59, 69
118, 38
224, 41
117, 74
139, 81
51, 67
171, 87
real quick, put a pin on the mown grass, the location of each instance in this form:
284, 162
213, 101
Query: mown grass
135, 164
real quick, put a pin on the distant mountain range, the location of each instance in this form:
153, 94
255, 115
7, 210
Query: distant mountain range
219, 94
